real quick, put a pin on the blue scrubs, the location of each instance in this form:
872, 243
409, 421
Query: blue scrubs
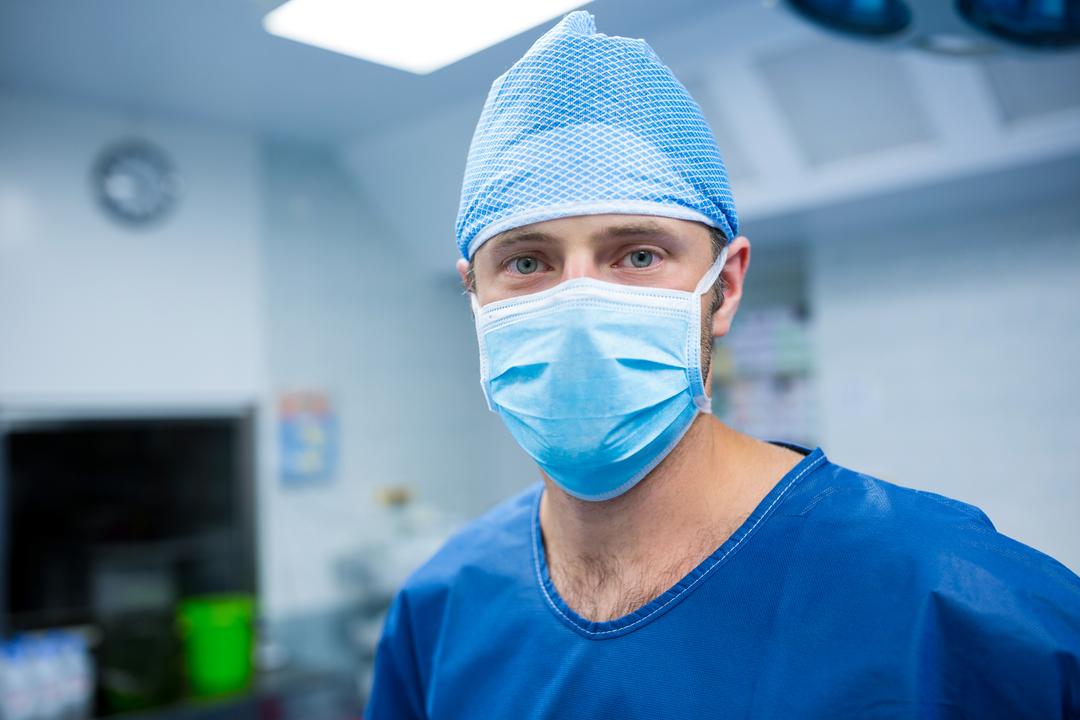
840, 596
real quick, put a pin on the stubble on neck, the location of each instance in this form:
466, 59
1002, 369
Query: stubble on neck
609, 558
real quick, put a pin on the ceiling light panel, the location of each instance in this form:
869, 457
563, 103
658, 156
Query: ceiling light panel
419, 36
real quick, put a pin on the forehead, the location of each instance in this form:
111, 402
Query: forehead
598, 230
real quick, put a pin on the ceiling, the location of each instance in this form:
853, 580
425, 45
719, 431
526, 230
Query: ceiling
211, 60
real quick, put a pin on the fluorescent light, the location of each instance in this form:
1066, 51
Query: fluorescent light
415, 35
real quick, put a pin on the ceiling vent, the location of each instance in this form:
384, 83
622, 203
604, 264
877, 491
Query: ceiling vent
839, 101
1025, 90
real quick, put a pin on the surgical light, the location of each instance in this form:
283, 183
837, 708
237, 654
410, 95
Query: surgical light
419, 36
1037, 23
951, 27
858, 17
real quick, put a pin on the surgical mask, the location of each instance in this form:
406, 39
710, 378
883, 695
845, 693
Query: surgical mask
597, 381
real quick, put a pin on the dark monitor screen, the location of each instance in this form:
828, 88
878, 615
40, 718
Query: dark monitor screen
86, 497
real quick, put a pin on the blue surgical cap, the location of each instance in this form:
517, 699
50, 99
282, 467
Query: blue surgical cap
584, 124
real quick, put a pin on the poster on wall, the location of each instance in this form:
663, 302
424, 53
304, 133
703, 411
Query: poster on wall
308, 437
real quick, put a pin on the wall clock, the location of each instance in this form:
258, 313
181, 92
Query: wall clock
135, 182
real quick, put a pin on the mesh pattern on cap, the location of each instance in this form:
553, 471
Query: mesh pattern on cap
583, 124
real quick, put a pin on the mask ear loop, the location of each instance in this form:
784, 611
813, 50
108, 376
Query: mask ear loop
712, 273
697, 380
474, 302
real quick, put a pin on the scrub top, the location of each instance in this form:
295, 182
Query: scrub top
840, 596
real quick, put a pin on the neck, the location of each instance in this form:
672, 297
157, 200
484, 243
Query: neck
696, 489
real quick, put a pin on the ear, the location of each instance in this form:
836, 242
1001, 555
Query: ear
463, 272
734, 276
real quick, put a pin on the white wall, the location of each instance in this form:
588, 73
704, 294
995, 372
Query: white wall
412, 175
947, 354
351, 310
90, 309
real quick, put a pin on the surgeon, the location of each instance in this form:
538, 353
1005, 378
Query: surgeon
665, 565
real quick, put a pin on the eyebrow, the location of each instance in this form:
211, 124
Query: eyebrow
511, 238
635, 228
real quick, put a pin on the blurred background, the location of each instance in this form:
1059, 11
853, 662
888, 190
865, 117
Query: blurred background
239, 395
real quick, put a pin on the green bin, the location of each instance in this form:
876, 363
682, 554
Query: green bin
218, 636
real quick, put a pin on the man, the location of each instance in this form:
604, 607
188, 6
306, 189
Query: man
668, 566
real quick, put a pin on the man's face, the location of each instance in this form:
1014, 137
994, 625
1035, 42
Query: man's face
627, 249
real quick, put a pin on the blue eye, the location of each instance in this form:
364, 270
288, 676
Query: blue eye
525, 265
642, 258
